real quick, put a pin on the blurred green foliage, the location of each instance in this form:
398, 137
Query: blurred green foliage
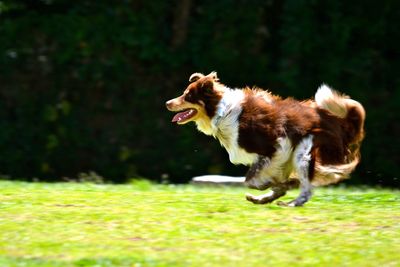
83, 84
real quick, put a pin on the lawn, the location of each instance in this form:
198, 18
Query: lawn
140, 224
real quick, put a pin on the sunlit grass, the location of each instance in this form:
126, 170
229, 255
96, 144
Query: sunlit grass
160, 225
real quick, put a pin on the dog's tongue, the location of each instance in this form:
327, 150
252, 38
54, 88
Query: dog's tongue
184, 115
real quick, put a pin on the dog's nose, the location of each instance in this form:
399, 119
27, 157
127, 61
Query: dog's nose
168, 103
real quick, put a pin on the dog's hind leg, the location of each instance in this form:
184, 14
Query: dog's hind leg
304, 164
252, 176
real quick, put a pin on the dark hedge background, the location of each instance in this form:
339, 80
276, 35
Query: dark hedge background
83, 83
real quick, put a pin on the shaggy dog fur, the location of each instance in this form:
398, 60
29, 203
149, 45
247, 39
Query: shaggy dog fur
287, 143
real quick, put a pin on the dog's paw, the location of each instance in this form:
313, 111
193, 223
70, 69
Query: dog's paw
251, 198
289, 204
263, 199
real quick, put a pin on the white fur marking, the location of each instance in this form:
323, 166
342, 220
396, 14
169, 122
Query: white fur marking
332, 101
279, 168
324, 92
260, 198
231, 99
225, 126
302, 152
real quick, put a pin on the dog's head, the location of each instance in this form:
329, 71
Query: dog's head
199, 100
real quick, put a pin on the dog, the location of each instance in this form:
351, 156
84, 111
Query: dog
287, 143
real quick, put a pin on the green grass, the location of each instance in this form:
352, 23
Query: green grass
159, 225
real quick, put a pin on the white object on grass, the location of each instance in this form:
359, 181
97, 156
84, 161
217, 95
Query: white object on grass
218, 180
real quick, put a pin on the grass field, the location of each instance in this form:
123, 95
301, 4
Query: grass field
159, 225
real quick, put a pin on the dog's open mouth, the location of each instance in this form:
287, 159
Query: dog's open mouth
184, 116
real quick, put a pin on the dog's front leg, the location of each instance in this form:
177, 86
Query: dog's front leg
276, 192
253, 173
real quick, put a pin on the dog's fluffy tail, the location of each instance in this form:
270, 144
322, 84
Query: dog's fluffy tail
332, 174
343, 107
353, 114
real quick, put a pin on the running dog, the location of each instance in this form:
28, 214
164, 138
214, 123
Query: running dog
287, 143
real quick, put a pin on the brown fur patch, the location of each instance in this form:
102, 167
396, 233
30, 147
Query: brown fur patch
261, 123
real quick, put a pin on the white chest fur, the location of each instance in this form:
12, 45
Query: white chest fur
237, 155
226, 126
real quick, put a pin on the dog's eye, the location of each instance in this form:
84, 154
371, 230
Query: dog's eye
189, 96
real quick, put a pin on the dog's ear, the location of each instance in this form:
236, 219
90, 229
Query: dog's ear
195, 76
214, 76
207, 85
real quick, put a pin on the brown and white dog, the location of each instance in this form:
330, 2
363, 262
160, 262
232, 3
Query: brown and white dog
286, 143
